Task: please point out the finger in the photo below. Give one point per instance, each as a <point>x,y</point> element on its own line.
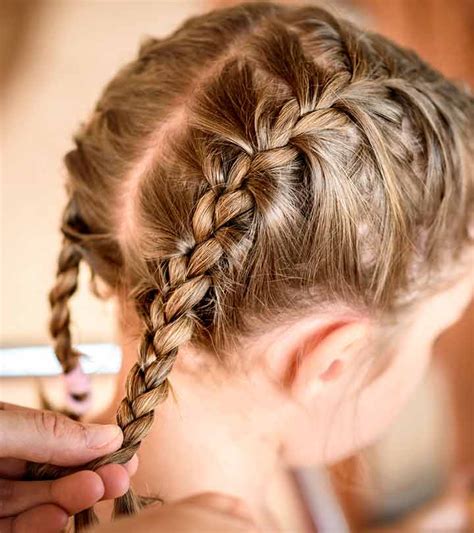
<point>5,406</point>
<point>41,519</point>
<point>16,468</point>
<point>132,466</point>
<point>12,468</point>
<point>115,479</point>
<point>72,493</point>
<point>47,437</point>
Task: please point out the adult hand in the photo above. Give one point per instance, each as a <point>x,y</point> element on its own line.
<point>47,437</point>
<point>203,512</point>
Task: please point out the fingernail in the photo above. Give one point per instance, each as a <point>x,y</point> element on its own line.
<point>99,435</point>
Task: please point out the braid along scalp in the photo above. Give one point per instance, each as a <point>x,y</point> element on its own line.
<point>221,228</point>
<point>299,163</point>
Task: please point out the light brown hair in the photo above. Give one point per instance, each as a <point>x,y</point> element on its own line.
<point>261,162</point>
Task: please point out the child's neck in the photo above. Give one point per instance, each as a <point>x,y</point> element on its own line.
<point>197,445</point>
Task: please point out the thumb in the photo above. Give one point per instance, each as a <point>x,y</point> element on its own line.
<point>48,437</point>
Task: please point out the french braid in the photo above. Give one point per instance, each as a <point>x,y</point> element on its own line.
<point>311,157</point>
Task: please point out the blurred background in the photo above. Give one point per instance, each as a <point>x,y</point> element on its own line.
<point>55,56</point>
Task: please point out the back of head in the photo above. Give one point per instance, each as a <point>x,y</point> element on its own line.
<point>261,162</point>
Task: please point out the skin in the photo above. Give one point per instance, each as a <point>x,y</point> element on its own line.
<point>308,394</point>
<point>203,512</point>
<point>42,436</point>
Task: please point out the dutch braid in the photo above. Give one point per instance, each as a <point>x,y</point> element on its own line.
<point>187,278</point>
<point>172,316</point>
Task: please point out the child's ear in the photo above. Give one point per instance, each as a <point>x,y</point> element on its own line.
<point>318,356</point>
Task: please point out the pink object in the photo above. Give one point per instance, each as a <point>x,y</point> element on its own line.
<point>78,391</point>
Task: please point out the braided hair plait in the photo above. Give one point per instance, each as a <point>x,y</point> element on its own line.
<point>171,311</point>
<point>67,274</point>
<point>169,323</point>
<point>65,286</point>
<point>77,385</point>
<point>359,105</point>
<point>239,183</point>
<point>249,178</point>
<point>173,315</point>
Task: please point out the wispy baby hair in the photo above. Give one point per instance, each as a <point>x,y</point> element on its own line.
<point>259,163</point>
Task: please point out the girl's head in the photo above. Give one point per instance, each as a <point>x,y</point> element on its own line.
<point>273,188</point>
